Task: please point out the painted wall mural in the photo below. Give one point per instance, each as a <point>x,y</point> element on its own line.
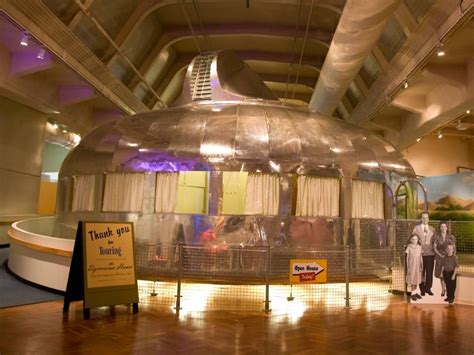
<point>451,197</point>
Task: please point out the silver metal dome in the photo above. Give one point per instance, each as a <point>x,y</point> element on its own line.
<point>226,120</point>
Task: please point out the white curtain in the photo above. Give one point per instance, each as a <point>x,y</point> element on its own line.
<point>166,192</point>
<point>83,194</point>
<point>317,196</point>
<point>367,199</point>
<point>123,192</point>
<point>263,194</point>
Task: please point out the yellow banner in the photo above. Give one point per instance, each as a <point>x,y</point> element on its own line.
<point>308,270</point>
<point>109,257</point>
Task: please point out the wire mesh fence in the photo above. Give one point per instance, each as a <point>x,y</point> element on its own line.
<point>365,273</point>
<point>193,279</point>
<point>464,234</point>
<point>370,277</point>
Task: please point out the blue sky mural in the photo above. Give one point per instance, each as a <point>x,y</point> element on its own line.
<point>457,185</point>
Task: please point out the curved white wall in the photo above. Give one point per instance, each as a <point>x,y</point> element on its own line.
<point>39,258</point>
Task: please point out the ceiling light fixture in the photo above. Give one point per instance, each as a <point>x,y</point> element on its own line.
<point>440,52</point>
<point>418,139</point>
<point>24,39</point>
<point>405,85</point>
<point>440,134</point>
<point>468,111</point>
<point>461,126</point>
<point>41,54</point>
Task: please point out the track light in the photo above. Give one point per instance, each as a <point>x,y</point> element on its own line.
<point>24,39</point>
<point>440,134</point>
<point>440,52</point>
<point>418,139</point>
<point>41,54</point>
<point>405,85</point>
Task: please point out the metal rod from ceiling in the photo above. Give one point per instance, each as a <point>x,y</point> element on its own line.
<point>290,65</point>
<point>308,24</point>
<point>201,24</point>
<point>190,26</point>
<point>86,11</point>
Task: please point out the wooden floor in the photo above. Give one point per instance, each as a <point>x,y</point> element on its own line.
<point>399,329</point>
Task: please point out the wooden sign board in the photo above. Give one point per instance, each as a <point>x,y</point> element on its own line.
<point>102,269</point>
<point>308,271</point>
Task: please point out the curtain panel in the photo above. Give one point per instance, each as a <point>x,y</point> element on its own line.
<point>83,193</point>
<point>367,199</point>
<point>317,196</point>
<point>166,192</point>
<point>123,192</point>
<point>263,194</point>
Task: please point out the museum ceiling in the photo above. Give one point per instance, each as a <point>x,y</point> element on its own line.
<point>374,63</point>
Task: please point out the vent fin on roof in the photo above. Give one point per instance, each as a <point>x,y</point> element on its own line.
<point>221,76</point>
<point>200,83</point>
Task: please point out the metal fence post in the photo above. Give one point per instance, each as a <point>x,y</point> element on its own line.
<point>267,279</point>
<point>347,266</point>
<point>405,289</point>
<point>180,276</point>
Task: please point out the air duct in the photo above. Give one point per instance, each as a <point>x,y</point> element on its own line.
<point>359,28</point>
<point>55,135</point>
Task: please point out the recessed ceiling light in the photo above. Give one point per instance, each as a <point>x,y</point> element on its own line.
<point>440,52</point>
<point>24,39</point>
<point>41,54</point>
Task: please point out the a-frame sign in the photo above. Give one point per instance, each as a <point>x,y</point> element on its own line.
<point>102,269</point>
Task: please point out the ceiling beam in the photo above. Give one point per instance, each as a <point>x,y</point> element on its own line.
<point>168,39</point>
<point>145,8</point>
<point>46,27</point>
<point>444,17</point>
<point>79,14</point>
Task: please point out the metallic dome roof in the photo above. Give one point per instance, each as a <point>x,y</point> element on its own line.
<point>227,120</point>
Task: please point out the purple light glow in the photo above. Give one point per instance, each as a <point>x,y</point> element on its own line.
<point>164,162</point>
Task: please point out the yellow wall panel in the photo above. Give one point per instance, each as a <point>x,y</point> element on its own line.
<point>234,189</point>
<point>47,198</point>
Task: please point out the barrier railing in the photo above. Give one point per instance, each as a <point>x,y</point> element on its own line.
<point>192,278</point>
<point>365,273</point>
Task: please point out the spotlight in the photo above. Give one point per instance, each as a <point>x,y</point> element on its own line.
<point>418,139</point>
<point>468,112</point>
<point>405,84</point>
<point>41,54</point>
<point>440,52</point>
<point>55,126</point>
<point>440,134</point>
<point>24,39</point>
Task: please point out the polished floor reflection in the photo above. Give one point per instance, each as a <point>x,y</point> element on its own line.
<point>398,329</point>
